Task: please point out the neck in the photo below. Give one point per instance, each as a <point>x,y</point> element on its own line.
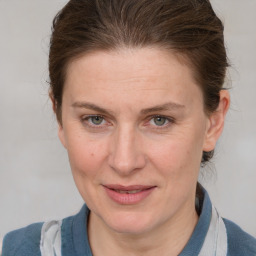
<point>167,239</point>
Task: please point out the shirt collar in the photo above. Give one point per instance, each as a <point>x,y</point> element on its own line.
<point>196,241</point>
<point>193,246</point>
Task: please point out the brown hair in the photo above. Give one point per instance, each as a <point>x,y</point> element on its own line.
<point>187,27</point>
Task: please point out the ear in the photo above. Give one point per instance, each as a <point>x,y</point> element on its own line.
<point>216,122</point>
<point>61,132</point>
<point>53,101</point>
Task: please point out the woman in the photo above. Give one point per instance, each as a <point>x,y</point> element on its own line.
<point>137,88</point>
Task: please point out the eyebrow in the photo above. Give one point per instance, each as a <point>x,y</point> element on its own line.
<point>162,107</point>
<point>91,106</point>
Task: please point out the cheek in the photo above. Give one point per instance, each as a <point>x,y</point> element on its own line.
<point>86,160</point>
<point>177,158</point>
<point>86,156</point>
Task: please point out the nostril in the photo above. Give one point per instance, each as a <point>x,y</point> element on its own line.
<point>124,166</point>
<point>128,166</point>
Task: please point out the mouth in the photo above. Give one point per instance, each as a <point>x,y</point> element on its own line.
<point>127,195</point>
<point>127,191</point>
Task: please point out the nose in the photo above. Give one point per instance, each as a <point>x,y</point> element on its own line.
<point>126,152</point>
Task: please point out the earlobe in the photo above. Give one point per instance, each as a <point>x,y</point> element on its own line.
<point>216,122</point>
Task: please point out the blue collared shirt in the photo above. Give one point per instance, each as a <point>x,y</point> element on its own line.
<point>75,242</point>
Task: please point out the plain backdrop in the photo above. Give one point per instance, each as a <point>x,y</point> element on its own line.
<point>35,178</point>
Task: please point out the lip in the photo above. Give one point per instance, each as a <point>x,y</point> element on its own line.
<point>114,193</point>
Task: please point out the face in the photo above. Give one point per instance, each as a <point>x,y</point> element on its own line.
<point>134,126</point>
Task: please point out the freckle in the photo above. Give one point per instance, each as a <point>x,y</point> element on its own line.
<point>92,154</point>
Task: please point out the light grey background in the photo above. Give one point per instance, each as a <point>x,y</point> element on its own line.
<point>35,179</point>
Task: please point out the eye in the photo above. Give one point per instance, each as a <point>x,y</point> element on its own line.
<point>93,121</point>
<point>96,120</point>
<point>159,121</point>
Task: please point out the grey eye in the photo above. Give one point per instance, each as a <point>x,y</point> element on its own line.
<point>159,120</point>
<point>97,120</point>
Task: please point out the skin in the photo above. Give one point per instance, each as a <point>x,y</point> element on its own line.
<point>127,146</point>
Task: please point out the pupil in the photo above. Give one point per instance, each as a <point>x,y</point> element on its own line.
<point>159,121</point>
<point>97,119</point>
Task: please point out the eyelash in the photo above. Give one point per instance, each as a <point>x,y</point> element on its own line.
<point>86,121</point>
<point>169,121</point>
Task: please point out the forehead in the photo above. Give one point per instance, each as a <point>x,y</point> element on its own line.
<point>151,72</point>
<point>129,63</point>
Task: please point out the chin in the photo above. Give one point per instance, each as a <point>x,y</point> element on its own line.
<point>130,223</point>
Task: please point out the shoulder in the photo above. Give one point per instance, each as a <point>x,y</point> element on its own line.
<point>239,242</point>
<point>26,241</point>
<point>23,242</point>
